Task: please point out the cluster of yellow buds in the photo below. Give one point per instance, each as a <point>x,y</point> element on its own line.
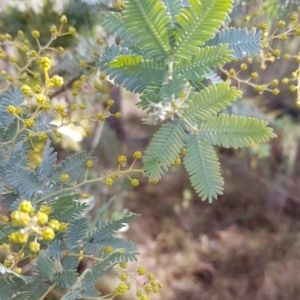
<point>121,289</point>
<point>153,286</point>
<point>122,159</point>
<point>40,99</point>
<point>26,90</point>
<point>137,155</point>
<point>64,178</point>
<point>85,196</point>
<point>177,162</point>
<point>56,81</point>
<point>33,223</point>
<point>61,109</point>
<point>14,110</point>
<point>100,117</point>
<point>28,123</point>
<point>89,163</point>
<point>119,5</point>
<point>109,181</point>
<point>45,63</point>
<point>108,249</point>
<point>134,182</point>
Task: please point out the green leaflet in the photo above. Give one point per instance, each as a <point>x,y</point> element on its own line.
<point>9,272</point>
<point>173,8</point>
<point>74,166</point>
<point>71,262</point>
<point>204,61</point>
<point>242,42</point>
<point>11,131</point>
<point>145,69</point>
<point>147,23</point>
<point>76,231</point>
<point>210,101</point>
<point>55,249</point>
<point>48,161</point>
<point>65,280</point>
<point>25,181</point>
<point>232,131</point>
<point>150,95</point>
<point>66,208</point>
<point>131,83</point>
<point>199,23</point>
<point>45,267</point>
<point>107,229</point>
<point>165,147</point>
<point>90,291</point>
<point>32,291</point>
<point>114,24</point>
<point>201,162</point>
<point>93,274</point>
<point>9,287</point>
<point>74,295</point>
<point>173,89</point>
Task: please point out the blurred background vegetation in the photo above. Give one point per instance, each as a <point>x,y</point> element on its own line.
<point>246,245</point>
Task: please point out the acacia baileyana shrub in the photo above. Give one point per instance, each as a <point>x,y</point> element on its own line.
<point>171,54</point>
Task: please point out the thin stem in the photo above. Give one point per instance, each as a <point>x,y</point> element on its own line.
<point>89,181</point>
<point>48,291</point>
<point>19,256</point>
<point>14,140</point>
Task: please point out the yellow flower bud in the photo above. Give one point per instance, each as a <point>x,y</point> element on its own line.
<point>35,34</point>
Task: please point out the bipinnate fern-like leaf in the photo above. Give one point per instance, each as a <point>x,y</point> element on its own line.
<point>71,262</point>
<point>151,95</point>
<point>173,8</point>
<point>213,77</point>
<point>32,291</point>
<point>242,42</point>
<point>114,24</point>
<point>8,272</point>
<point>147,23</point>
<point>94,273</point>
<point>43,123</point>
<point>76,231</point>
<point>118,243</point>
<point>210,101</point>
<point>67,208</point>
<point>10,286</point>
<point>74,166</point>
<point>203,61</point>
<point>47,163</point>
<point>72,212</point>
<point>164,148</point>
<point>11,132</point>
<point>174,88</point>
<point>55,249</point>
<point>93,2</point>
<point>203,167</point>
<point>135,65</point>
<point>45,267</point>
<point>23,180</point>
<point>19,156</point>
<point>232,131</point>
<point>131,83</point>
<point>197,24</point>
<point>90,291</point>
<point>74,295</point>
<point>65,280</point>
<point>107,229</point>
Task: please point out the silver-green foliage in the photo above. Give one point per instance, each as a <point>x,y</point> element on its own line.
<point>170,54</point>
<point>42,185</point>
